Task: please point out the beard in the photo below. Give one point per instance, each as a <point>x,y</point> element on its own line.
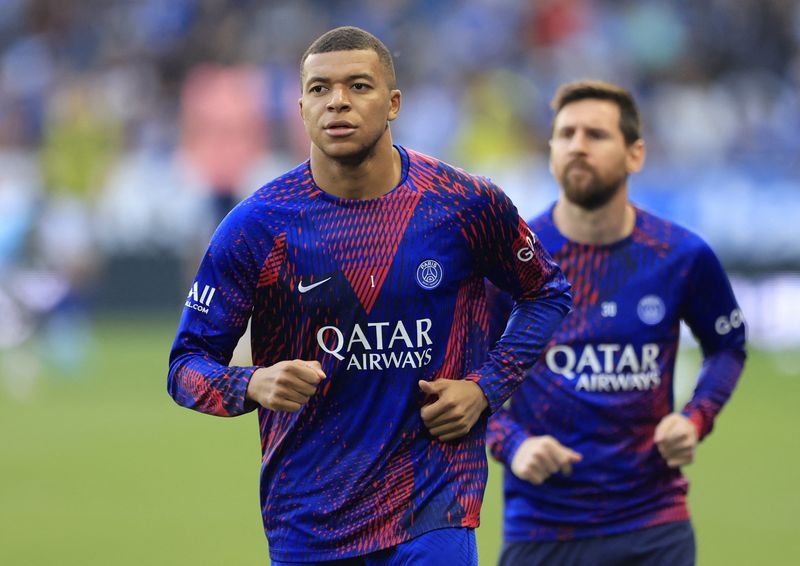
<point>362,153</point>
<point>589,192</point>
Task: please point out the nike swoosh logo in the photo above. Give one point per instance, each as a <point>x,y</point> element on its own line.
<point>307,288</point>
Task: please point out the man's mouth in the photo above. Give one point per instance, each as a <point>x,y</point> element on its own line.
<point>578,166</point>
<point>339,129</point>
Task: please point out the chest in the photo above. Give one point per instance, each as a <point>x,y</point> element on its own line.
<point>633,294</point>
<point>373,256</point>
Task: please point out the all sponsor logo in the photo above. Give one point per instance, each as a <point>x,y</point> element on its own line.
<point>607,367</point>
<point>379,346</point>
<point>200,301</point>
<point>724,324</point>
<point>429,274</point>
<point>525,253</point>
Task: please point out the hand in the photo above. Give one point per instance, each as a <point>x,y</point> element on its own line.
<point>457,405</point>
<point>285,386</point>
<point>676,439</point>
<point>539,457</point>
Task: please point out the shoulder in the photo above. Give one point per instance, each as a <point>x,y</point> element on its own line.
<point>543,222</point>
<point>257,220</point>
<point>545,229</point>
<point>432,175</point>
<point>655,230</point>
<point>278,201</point>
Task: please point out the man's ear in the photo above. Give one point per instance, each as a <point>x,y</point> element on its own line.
<point>634,160</point>
<point>394,103</point>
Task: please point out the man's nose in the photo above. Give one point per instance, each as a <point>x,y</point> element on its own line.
<point>338,100</point>
<point>578,143</point>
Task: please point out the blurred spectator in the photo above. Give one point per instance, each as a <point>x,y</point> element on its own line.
<point>223,129</point>
<point>128,127</point>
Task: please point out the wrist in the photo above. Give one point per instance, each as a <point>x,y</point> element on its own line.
<point>697,420</point>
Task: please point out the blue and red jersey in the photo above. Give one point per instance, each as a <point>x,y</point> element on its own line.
<point>606,380</point>
<point>383,293</point>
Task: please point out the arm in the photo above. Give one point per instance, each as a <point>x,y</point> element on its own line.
<point>214,317</point>
<point>513,259</point>
<point>504,435</point>
<point>216,313</point>
<point>530,458</point>
<point>508,253</point>
<point>529,328</point>
<point>715,319</point>
<point>457,404</point>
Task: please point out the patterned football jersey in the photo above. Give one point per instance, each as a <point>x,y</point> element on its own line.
<point>606,380</point>
<point>383,293</point>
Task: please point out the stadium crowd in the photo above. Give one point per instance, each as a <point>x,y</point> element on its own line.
<point>129,127</point>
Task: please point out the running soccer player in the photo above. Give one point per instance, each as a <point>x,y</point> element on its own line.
<point>363,270</point>
<point>591,441</point>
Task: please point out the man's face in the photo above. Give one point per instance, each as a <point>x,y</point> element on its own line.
<point>346,103</point>
<point>588,154</point>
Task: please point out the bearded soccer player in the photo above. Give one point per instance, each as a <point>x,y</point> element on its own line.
<point>592,442</point>
<point>363,270</point>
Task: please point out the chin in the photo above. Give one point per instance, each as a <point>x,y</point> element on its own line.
<point>590,200</point>
<point>348,152</point>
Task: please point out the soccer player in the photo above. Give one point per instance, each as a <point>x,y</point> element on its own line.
<point>363,271</point>
<point>591,441</point>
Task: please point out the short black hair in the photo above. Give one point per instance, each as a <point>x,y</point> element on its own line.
<point>350,38</point>
<point>630,123</point>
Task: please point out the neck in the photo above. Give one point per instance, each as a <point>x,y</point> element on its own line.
<point>610,223</point>
<point>364,178</point>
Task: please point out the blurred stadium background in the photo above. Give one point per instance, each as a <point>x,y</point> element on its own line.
<point>129,127</point>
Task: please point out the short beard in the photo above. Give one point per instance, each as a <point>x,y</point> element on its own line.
<point>361,155</point>
<point>593,195</point>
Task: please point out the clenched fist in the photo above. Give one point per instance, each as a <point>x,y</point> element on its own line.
<point>285,386</point>
<point>455,408</point>
<point>539,457</point>
<point>676,439</point>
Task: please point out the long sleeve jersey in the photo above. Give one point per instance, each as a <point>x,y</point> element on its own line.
<point>606,380</point>
<point>383,293</point>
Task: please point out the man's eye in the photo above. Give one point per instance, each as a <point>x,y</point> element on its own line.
<point>316,89</point>
<point>360,86</point>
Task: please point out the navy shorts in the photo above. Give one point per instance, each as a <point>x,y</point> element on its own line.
<point>455,547</point>
<point>671,544</point>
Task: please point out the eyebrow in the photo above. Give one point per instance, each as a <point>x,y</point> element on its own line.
<point>591,129</point>
<point>350,78</point>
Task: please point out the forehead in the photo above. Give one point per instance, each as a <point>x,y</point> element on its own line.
<point>338,65</point>
<point>589,113</point>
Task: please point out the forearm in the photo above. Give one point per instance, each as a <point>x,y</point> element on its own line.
<point>718,378</point>
<point>529,328</point>
<point>202,384</point>
<point>504,436</point>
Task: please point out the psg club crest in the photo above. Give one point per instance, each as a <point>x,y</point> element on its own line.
<point>651,309</point>
<point>429,274</point>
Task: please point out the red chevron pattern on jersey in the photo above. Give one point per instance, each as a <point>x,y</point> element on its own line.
<point>430,175</point>
<point>209,397</point>
<point>343,282</point>
<point>273,263</point>
<point>466,320</point>
<point>377,225</point>
<point>606,381</point>
<point>582,264</point>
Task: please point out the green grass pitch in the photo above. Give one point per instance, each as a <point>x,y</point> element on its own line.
<point>106,469</point>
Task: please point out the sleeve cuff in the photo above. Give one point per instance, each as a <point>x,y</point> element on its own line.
<point>512,444</point>
<point>697,420</point>
<point>491,399</point>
